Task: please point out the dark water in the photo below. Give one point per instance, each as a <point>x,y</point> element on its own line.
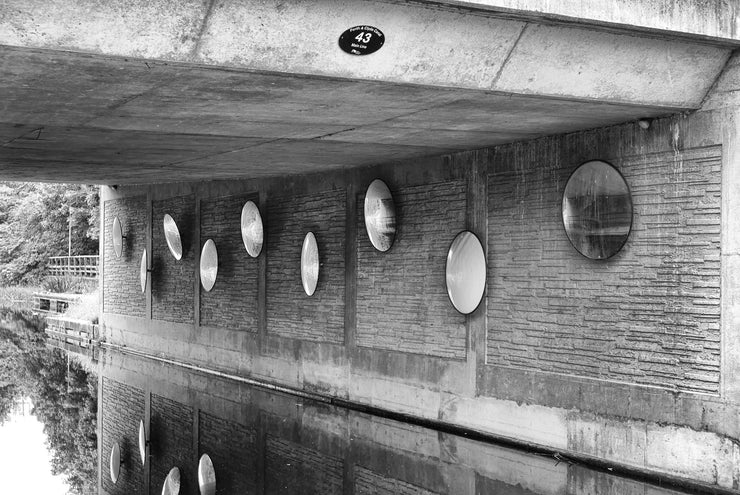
<point>273,443</point>
<point>260,441</point>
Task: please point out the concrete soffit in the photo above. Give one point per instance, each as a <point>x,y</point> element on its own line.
<point>132,92</point>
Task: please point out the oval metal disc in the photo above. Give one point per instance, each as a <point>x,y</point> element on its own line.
<point>142,442</point>
<point>466,272</point>
<point>206,476</point>
<point>117,236</point>
<point>597,210</point>
<point>380,215</point>
<point>143,271</point>
<point>115,462</point>
<point>253,233</point>
<point>172,235</point>
<point>208,265</point>
<point>310,264</point>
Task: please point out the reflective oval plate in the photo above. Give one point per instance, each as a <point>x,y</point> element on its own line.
<point>466,272</point>
<point>252,229</point>
<point>172,235</point>
<point>143,271</point>
<point>597,210</point>
<point>206,476</point>
<point>380,215</point>
<point>117,236</point>
<point>310,264</point>
<point>115,462</point>
<point>208,265</point>
<point>142,442</point>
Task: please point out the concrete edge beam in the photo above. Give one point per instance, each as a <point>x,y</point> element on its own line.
<point>712,21</point>
<point>422,45</point>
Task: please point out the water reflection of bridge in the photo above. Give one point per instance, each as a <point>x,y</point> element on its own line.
<point>273,443</point>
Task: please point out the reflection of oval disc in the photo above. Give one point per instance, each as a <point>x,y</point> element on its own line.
<point>380,215</point>
<point>310,264</point>
<point>466,272</point>
<point>117,237</point>
<point>142,442</point>
<point>172,235</point>
<point>172,483</point>
<point>208,265</point>
<point>252,230</point>
<point>115,463</point>
<point>206,476</point>
<point>361,40</point>
<point>143,271</point>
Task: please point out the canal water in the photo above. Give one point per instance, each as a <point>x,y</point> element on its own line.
<point>259,440</point>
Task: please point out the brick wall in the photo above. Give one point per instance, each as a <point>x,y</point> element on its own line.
<point>649,315</point>
<point>402,301</point>
<point>123,409</point>
<point>233,450</point>
<point>290,312</point>
<point>291,468</point>
<point>232,303</point>
<point>173,280</point>
<point>171,444</point>
<point>368,482</point>
<point>121,284</point>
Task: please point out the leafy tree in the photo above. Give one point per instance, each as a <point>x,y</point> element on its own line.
<point>34,225</point>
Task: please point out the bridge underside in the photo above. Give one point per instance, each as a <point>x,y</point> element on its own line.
<point>151,94</point>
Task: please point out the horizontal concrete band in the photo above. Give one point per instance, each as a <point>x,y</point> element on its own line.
<point>423,44</point>
<point>713,20</point>
<point>592,462</point>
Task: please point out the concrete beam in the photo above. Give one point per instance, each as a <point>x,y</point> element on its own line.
<point>717,20</point>
<point>423,45</point>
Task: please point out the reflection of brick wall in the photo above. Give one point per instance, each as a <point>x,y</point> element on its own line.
<point>650,315</point>
<point>291,468</point>
<point>123,409</point>
<point>402,301</point>
<point>233,450</point>
<point>232,303</point>
<point>367,482</point>
<point>290,312</point>
<point>172,444</point>
<point>173,281</point>
<point>121,286</point>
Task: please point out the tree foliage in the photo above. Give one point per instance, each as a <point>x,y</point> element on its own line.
<point>34,225</point>
<point>64,395</point>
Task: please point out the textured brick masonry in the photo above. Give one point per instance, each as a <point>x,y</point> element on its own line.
<point>650,315</point>
<point>173,280</point>
<point>121,283</point>
<point>402,301</point>
<point>290,312</point>
<point>232,303</point>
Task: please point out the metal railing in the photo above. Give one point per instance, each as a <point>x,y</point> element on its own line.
<point>74,266</point>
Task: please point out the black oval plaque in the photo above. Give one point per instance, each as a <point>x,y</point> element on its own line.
<point>361,40</point>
